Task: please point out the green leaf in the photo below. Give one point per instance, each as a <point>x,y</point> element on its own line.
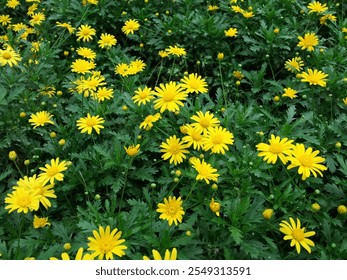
<point>58,229</point>
<point>236,235</point>
<point>3,93</point>
<point>290,114</point>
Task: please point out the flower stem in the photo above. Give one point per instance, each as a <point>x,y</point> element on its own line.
<point>124,185</point>
<point>190,191</point>
<point>221,78</point>
<point>20,172</point>
<point>19,236</point>
<point>291,178</point>
<point>172,66</point>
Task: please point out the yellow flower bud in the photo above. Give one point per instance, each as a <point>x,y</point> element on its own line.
<point>62,142</point>
<point>338,145</point>
<point>276,98</point>
<point>215,206</point>
<point>67,246</point>
<point>276,30</point>
<point>183,129</point>
<point>268,213</point>
<point>22,114</point>
<point>315,207</point>
<point>342,209</point>
<point>214,187</point>
<point>188,233</point>
<point>53,134</point>
<point>178,173</point>
<point>26,162</point>
<point>220,56</point>
<point>12,155</point>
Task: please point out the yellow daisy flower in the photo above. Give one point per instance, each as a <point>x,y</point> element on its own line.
<point>174,149</point>
<point>205,171</point>
<point>40,119</point>
<point>297,235</point>
<point>169,97</point>
<point>194,83</point>
<point>171,210</point>
<point>106,243</point>
<point>278,148</point>
<point>53,171</point>
<point>89,123</point>
<point>307,161</point>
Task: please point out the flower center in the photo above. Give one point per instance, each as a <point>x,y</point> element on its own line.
<point>275,148</point>
<point>196,136</point>
<point>23,201</point>
<point>298,234</point>
<point>174,149</point>
<point>204,123</point>
<point>52,171</point>
<point>90,122</point>
<point>85,32</point>
<point>105,246</point>
<point>217,139</point>
<point>143,95</point>
<point>6,55</point>
<point>106,40</point>
<point>171,210</point>
<point>306,161</point>
<point>169,96</point>
<point>203,171</point>
<point>194,84</point>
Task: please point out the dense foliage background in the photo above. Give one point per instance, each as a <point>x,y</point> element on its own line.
<point>103,185</point>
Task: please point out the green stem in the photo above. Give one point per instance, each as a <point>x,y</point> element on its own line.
<point>159,73</point>
<point>162,131</point>
<point>222,82</point>
<point>291,178</point>
<point>190,191</point>
<point>272,71</point>
<point>19,236</point>
<point>124,185</point>
<point>20,172</point>
<point>172,66</point>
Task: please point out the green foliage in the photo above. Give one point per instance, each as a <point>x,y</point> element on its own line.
<point>104,185</point>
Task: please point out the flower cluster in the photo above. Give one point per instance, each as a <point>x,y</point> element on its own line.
<point>307,160</point>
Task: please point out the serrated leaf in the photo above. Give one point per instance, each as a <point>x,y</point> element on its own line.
<point>58,229</point>
<point>253,248</point>
<point>290,114</point>
<point>144,173</point>
<point>86,226</point>
<point>331,164</point>
<point>343,164</point>
<point>236,235</point>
